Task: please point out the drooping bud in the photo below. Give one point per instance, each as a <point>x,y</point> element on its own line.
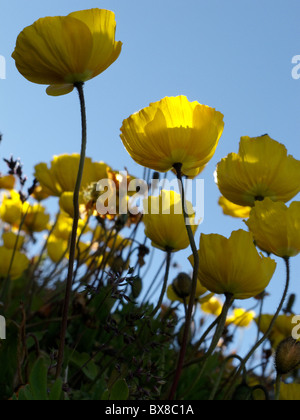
<point>287,356</point>
<point>182,285</point>
<point>290,304</point>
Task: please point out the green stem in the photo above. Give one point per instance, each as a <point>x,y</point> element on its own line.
<point>221,373</point>
<point>277,387</point>
<point>221,325</point>
<point>270,329</point>
<point>69,283</point>
<point>189,313</point>
<point>152,283</point>
<point>6,284</point>
<point>164,288</point>
<point>216,338</point>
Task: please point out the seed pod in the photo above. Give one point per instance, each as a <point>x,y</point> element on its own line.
<point>287,356</point>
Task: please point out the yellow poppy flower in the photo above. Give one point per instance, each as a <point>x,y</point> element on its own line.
<point>282,329</point>
<point>11,208</point>
<point>261,169</point>
<point>63,227</point>
<point>233,266</point>
<point>164,221</point>
<point>39,194</point>
<point>57,248</point>
<point>66,203</point>
<point>62,174</point>
<point>289,392</point>
<point>36,219</point>
<point>241,318</point>
<point>19,265</point>
<point>64,50</point>
<point>213,306</point>
<point>10,240</point>
<point>193,173</point>
<point>231,209</point>
<point>276,227</point>
<point>7,182</point>
<point>173,131</point>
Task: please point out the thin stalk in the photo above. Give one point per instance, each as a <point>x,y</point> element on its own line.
<point>152,283</point>
<point>6,284</point>
<point>69,282</point>
<point>221,373</point>
<point>189,313</point>
<point>278,387</point>
<point>165,283</point>
<point>45,247</point>
<point>270,329</point>
<point>216,338</point>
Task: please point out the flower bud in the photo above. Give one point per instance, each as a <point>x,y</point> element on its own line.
<point>290,304</point>
<point>156,176</point>
<point>182,285</point>
<point>287,356</point>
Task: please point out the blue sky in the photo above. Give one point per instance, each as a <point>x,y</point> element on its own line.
<point>233,55</point>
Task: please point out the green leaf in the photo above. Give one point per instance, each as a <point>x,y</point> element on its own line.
<point>38,381</point>
<point>83,361</point>
<point>105,395</point>
<point>119,391</point>
<point>56,391</point>
<point>25,394</point>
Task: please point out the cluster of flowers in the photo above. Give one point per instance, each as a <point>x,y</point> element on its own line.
<point>175,135</point>
<point>22,220</point>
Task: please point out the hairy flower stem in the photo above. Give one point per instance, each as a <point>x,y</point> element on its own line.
<point>69,283</point>
<point>268,332</point>
<point>189,313</point>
